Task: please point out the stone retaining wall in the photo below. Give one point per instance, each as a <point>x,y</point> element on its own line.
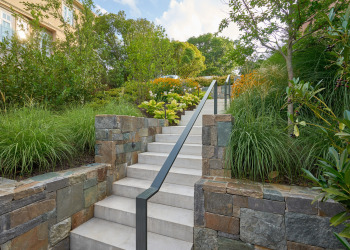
<point>39,213</point>
<point>119,139</point>
<point>244,215</point>
<point>236,214</point>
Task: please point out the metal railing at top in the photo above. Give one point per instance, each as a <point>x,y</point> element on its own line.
<point>227,83</point>
<point>141,200</point>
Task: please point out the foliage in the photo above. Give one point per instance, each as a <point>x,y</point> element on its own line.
<point>205,82</point>
<point>162,86</point>
<point>190,86</point>
<point>32,138</point>
<point>190,100</point>
<point>278,25</point>
<point>170,116</point>
<point>152,106</point>
<point>217,53</point>
<point>246,82</point>
<point>35,139</point>
<point>189,60</point>
<point>53,73</point>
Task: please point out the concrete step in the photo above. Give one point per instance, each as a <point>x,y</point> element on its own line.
<point>170,194</point>
<point>165,220</point>
<point>183,161</point>
<point>179,176</point>
<point>196,130</point>
<point>166,147</point>
<point>191,139</point>
<point>97,234</point>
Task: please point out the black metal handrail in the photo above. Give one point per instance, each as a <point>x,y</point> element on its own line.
<point>141,200</point>
<point>227,82</point>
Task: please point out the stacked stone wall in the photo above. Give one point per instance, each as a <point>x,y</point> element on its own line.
<point>245,215</point>
<point>119,139</point>
<point>39,212</point>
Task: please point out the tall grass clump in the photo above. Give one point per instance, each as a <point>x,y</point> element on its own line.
<point>32,138</point>
<point>81,121</point>
<point>260,146</point>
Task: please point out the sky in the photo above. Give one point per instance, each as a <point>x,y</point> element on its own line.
<point>181,19</point>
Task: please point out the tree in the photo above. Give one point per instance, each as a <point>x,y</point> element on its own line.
<point>217,52</point>
<point>188,59</point>
<point>278,25</point>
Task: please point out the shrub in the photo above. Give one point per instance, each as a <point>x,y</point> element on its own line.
<point>32,138</point>
<point>247,82</point>
<point>205,82</point>
<point>162,86</point>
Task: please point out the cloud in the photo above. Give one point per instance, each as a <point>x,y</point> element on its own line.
<point>187,18</point>
<point>135,11</point>
<point>101,10</point>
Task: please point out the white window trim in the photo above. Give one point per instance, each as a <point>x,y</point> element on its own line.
<point>69,18</point>
<point>11,21</point>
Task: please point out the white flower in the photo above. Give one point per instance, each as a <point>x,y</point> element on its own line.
<point>165,93</point>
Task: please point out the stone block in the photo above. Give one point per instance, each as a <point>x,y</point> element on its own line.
<point>223,133</point>
<point>139,122</point>
<point>107,153</point>
<point>7,207</point>
<point>218,203</point>
<point>76,178</point>
<point>135,157</point>
<point>215,187</point>
<point>301,205</point>
<point>250,190</point>
<point>6,246</point>
<point>91,174</point>
<point>240,201</point>
<point>106,122</point>
<point>152,122</point>
<point>229,236</point>
<point>5,222</point>
<point>121,171</point>
<point>272,194</point>
<point>132,147</point>
<point>208,120</point>
<point>329,208</point>
<point>90,196</point>
<point>215,164</point>
<point>263,229</point>
<point>89,183</point>
<point>199,203</point>
<point>206,136</point>
<point>299,246</point>
<point>225,243</point>
<point>311,230</point>
<point>5,197</point>
<point>152,131</point>
<point>101,190</point>
<point>117,137</point>
<point>223,118</point>
<point>29,189</point>
<point>114,134</point>
<point>69,201</point>
<point>56,183</point>
<point>268,206</point>
<point>222,223</point>
<point>97,149</point>
<point>236,211</point>
<point>205,239</point>
<point>120,159</point>
<point>128,158</point>
<point>221,153</point>
<point>101,174</point>
<point>213,136</point>
<point>144,144</point>
<point>208,151</point>
<point>101,134</point>
<point>143,132</point>
<point>27,213</point>
<point>110,180</point>
<point>205,167</point>
<point>60,231</point>
<point>36,238</point>
<point>220,172</point>
<point>62,245</point>
<point>82,216</point>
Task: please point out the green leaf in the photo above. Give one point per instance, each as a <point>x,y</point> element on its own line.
<point>335,192</point>
<point>310,176</point>
<point>343,241</point>
<point>302,123</point>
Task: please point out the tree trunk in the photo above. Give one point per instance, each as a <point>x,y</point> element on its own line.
<point>290,77</point>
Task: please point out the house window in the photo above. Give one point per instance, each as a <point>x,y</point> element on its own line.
<point>67,14</point>
<point>6,24</point>
<point>22,28</point>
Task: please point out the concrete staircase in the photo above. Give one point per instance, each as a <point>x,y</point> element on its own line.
<point>170,211</point>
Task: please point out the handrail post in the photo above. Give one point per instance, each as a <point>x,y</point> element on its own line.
<point>216,98</point>
<point>229,90</point>
<point>225,93</point>
<point>141,222</point>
